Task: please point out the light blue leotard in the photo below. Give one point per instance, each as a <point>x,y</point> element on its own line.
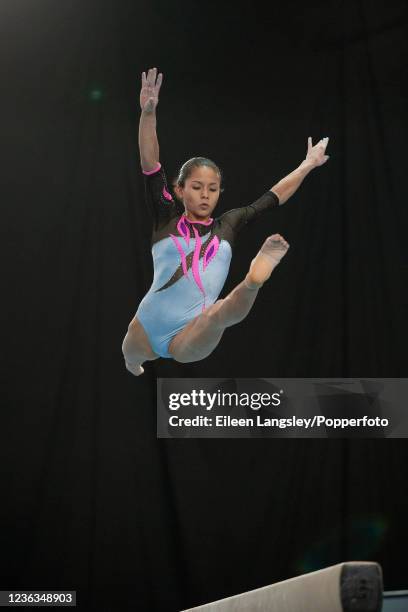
<point>191,260</point>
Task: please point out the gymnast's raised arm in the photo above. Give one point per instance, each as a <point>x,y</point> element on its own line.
<point>149,99</point>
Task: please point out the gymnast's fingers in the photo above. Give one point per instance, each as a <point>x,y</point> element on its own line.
<point>159,81</point>
<point>150,78</point>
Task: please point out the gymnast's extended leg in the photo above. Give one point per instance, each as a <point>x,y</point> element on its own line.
<point>136,348</point>
<point>200,337</point>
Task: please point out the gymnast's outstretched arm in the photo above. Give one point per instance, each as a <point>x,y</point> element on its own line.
<point>315,156</point>
<point>282,191</point>
<point>149,99</point>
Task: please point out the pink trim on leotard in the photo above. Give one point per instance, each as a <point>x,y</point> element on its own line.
<point>153,171</point>
<point>182,255</point>
<point>210,251</point>
<point>195,265</point>
<point>183,230</point>
<point>210,220</point>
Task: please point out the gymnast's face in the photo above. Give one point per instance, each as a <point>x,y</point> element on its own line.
<point>200,193</point>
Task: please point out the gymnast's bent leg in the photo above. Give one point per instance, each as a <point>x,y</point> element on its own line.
<point>200,337</point>
<point>136,348</point>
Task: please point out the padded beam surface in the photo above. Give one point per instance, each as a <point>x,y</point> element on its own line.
<point>355,586</point>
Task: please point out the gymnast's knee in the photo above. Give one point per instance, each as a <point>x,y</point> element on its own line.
<point>226,317</point>
<point>126,347</point>
<point>212,315</point>
<point>136,346</point>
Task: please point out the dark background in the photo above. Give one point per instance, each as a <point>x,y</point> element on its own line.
<point>90,499</point>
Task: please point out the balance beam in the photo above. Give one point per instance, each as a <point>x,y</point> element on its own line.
<point>354,586</point>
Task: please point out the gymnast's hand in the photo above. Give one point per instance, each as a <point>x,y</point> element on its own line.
<point>316,155</point>
<point>149,95</point>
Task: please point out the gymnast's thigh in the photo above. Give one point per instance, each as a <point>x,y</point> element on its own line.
<point>199,337</point>
<point>138,337</point>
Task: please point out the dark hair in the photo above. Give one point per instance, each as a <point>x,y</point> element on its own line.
<point>196,162</point>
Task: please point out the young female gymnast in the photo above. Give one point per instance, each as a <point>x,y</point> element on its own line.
<point>180,317</point>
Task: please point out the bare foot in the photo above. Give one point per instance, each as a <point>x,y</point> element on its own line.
<point>272,251</point>
<point>135,369</point>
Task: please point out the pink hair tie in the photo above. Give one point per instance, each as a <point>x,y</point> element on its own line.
<point>153,171</point>
<point>166,194</point>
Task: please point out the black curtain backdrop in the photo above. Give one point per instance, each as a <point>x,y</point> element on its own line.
<point>90,499</point>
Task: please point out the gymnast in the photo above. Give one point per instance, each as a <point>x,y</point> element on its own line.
<point>180,317</point>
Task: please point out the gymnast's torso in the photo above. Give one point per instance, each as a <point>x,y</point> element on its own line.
<point>191,260</point>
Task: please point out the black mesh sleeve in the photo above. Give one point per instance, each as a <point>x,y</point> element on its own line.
<point>159,201</point>
<point>237,218</point>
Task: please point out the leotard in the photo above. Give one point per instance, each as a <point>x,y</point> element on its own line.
<point>191,260</point>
